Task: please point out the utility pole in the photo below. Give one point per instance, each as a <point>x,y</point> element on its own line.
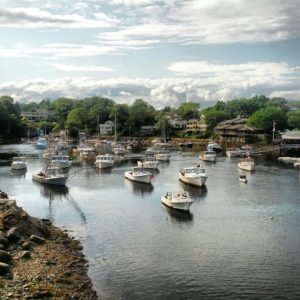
<point>274,124</point>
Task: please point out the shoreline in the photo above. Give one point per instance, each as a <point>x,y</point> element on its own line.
<point>39,260</point>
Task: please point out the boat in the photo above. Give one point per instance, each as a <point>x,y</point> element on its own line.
<point>151,151</point>
<point>177,200</point>
<point>85,151</point>
<point>213,146</point>
<point>150,162</point>
<point>119,149</point>
<point>233,152</point>
<point>51,175</point>
<point>19,163</point>
<point>139,175</point>
<point>193,175</point>
<point>41,142</point>
<point>247,164</point>
<point>208,155</point>
<point>61,161</point>
<point>243,178</point>
<point>163,155</point>
<point>104,161</point>
<point>62,141</point>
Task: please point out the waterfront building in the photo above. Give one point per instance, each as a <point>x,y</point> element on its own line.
<point>107,128</point>
<point>39,115</point>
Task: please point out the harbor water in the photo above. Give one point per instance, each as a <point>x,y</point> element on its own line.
<point>239,241</point>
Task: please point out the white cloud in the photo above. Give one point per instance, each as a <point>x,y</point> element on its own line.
<point>220,82</point>
<point>77,68</point>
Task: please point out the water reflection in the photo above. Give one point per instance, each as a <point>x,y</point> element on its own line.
<point>195,192</point>
<point>19,173</point>
<point>139,188</point>
<point>177,215</point>
<point>105,171</point>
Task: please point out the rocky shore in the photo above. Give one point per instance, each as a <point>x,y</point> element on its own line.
<point>38,260</point>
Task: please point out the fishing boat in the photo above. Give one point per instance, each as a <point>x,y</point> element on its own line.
<point>61,161</point>
<point>150,162</point>
<point>139,175</point>
<point>85,151</point>
<point>243,178</point>
<point>51,175</point>
<point>119,149</point>
<point>19,163</point>
<point>41,142</point>
<point>104,161</point>
<point>193,175</point>
<point>233,152</point>
<point>177,200</point>
<point>208,156</point>
<point>213,146</point>
<point>163,155</point>
<point>247,164</point>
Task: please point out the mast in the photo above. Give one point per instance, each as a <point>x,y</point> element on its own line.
<point>115,126</point>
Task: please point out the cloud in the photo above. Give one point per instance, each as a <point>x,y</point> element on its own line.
<point>77,68</point>
<point>220,82</point>
<point>36,18</point>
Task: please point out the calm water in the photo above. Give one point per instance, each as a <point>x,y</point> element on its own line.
<point>241,241</point>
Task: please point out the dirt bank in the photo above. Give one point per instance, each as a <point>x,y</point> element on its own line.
<point>38,260</point>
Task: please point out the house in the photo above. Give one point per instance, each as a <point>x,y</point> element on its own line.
<point>107,128</point>
<point>176,122</point>
<point>237,131</point>
<point>290,140</point>
<point>147,130</point>
<point>196,125</point>
<point>39,115</point>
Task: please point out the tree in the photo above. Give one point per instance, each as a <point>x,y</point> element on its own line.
<point>264,118</point>
<point>189,110</point>
<point>213,117</point>
<point>293,119</point>
<point>76,120</point>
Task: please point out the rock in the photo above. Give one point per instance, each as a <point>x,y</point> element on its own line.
<point>3,239</point>
<point>36,239</point>
<point>26,245</point>
<point>4,268</point>
<point>24,255</point>
<point>13,234</point>
<point>2,247</point>
<point>4,256</point>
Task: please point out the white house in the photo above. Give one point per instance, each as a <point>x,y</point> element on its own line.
<point>107,128</point>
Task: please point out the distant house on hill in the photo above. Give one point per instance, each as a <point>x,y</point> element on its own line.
<point>237,131</point>
<point>39,115</point>
<point>198,126</point>
<point>106,128</point>
<point>176,122</point>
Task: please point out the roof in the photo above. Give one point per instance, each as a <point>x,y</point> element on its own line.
<point>291,135</point>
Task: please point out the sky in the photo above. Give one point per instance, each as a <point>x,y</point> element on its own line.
<point>165,52</point>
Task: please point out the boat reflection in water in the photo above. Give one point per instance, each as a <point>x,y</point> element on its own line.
<point>139,188</point>
<point>195,192</point>
<point>19,173</point>
<point>178,215</point>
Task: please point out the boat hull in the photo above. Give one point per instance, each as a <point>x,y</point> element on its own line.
<point>61,181</point>
<point>195,181</point>
<point>19,166</point>
<point>143,178</point>
<point>184,206</point>
<point>61,164</point>
<point>246,166</point>
<point>104,164</point>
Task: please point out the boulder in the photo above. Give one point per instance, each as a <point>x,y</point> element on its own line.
<point>13,234</point>
<point>37,239</point>
<point>4,256</point>
<point>4,269</point>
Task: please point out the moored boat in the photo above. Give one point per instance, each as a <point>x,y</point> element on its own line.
<point>51,175</point>
<point>138,175</point>
<point>243,178</point>
<point>19,163</point>
<point>177,200</point>
<point>213,146</point>
<point>247,164</point>
<point>150,162</point>
<point>193,175</point>
<point>61,161</point>
<point>163,155</point>
<point>208,155</point>
<point>104,161</point>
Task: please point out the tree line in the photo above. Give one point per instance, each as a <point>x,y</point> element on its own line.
<point>86,114</point>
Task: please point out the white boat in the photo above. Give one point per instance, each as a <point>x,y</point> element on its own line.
<point>233,152</point>
<point>151,151</point>
<point>62,142</point>
<point>119,149</point>
<point>213,146</point>
<point>150,162</point>
<point>138,175</point>
<point>193,175</point>
<point>243,178</point>
<point>19,163</point>
<point>61,161</point>
<point>85,151</point>
<point>247,164</point>
<point>51,175</point>
<point>208,155</point>
<point>177,200</point>
<point>41,142</point>
<point>163,155</point>
<point>104,161</point>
